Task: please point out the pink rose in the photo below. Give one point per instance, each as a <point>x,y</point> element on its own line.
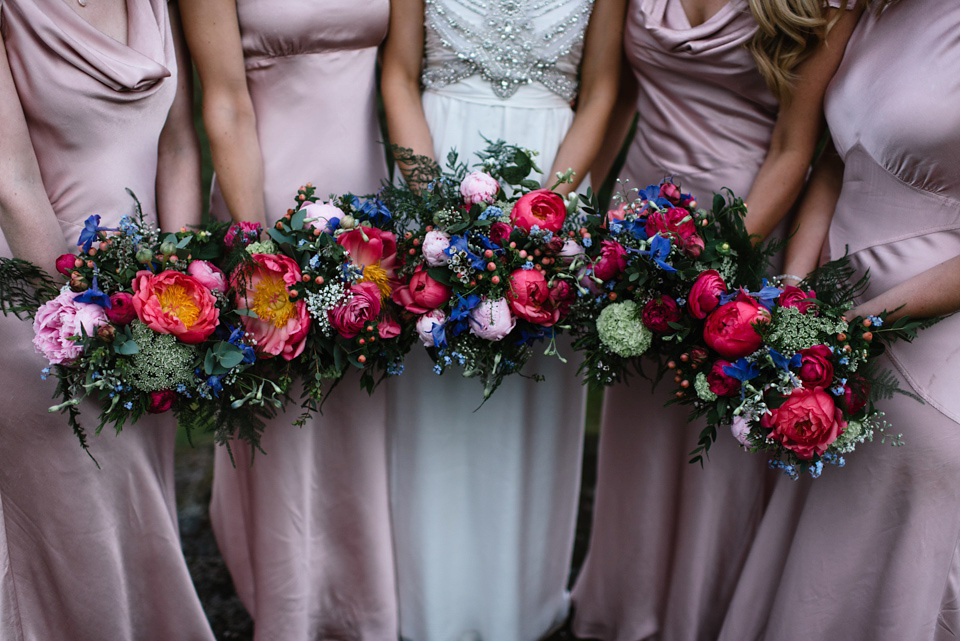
<point>280,326</point>
<point>740,430</point>
<point>242,232</point>
<point>729,328</point>
<point>209,275</point>
<point>678,225</point>
<point>422,293</point>
<point>161,401</point>
<point>500,233</point>
<point>807,422</point>
<point>612,260</point>
<point>659,312</point>
<point>434,244</point>
<point>478,187</point>
<point>66,263</point>
<point>794,297</point>
<point>856,393</point>
<point>426,323</point>
<point>570,251</point>
<point>360,308</point>
<point>541,208</point>
<point>705,293</point>
<point>816,369</point>
<point>121,310</point>
<point>60,319</point>
<point>376,251</point>
<point>491,320</point>
<point>562,295</point>
<point>529,297</point>
<point>671,192</point>
<point>720,383</point>
<point>175,303</point>
<point>323,216</point>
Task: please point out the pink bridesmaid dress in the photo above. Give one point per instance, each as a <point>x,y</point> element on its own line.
<point>669,538</point>
<point>305,529</point>
<point>870,552</point>
<point>88,554</point>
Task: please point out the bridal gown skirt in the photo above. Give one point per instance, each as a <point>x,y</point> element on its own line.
<point>484,499</point>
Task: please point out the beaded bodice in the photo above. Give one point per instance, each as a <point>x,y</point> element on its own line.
<point>509,43</point>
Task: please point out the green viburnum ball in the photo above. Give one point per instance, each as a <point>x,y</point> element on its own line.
<point>262,247</point>
<point>621,331</point>
<point>702,387</point>
<point>163,362</point>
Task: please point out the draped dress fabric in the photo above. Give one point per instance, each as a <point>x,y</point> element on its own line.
<point>869,552</point>
<point>484,500</point>
<point>669,538</point>
<point>88,554</point>
<point>305,529</point>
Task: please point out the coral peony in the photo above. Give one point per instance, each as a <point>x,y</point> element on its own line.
<point>58,321</point>
<point>281,325</point>
<point>375,251</point>
<point>540,208</point>
<point>172,302</point>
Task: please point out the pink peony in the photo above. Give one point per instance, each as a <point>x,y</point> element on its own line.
<point>281,325</point>
<point>172,302</point>
<point>209,275</point>
<point>479,187</point>
<point>612,260</point>
<point>361,306</point>
<point>794,297</point>
<point>60,319</point>
<point>422,293</point>
<point>491,320</point>
<point>705,293</point>
<point>66,263</point>
<point>807,422</point>
<point>570,251</point>
<point>121,310</point>
<point>729,329</point>
<point>426,323</point>
<point>434,244</point>
<point>322,216</point>
<point>720,383</point>
<point>529,297</point>
<point>586,279</point>
<point>161,401</point>
<point>659,312</point>
<point>816,369</point>
<point>740,430</point>
<point>388,327</point>
<point>242,232</point>
<point>541,208</point>
<point>376,251</point>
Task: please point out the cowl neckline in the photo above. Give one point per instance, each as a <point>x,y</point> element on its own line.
<point>668,24</point>
<point>133,67</point>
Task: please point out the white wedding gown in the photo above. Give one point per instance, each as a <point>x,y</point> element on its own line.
<point>484,502</point>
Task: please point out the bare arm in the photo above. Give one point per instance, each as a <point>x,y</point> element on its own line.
<point>400,79</point>
<point>599,77</point>
<point>812,222</point>
<point>178,169</point>
<point>213,33</point>
<point>26,217</point>
<point>935,292</point>
<point>624,111</point>
<point>795,134</point>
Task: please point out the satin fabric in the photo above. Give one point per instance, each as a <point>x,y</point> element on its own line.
<point>484,500</point>
<point>870,551</point>
<point>669,538</point>
<point>305,528</point>
<point>88,554</point>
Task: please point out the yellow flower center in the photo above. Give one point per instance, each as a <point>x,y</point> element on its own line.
<point>271,301</point>
<point>176,301</point>
<point>378,276</point>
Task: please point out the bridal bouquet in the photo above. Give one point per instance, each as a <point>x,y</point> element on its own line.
<point>786,370</point>
<point>143,326</point>
<point>481,268</point>
<point>635,266</point>
<point>316,292</point>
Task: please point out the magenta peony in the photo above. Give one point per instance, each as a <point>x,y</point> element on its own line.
<point>659,312</point>
<point>121,310</point>
<point>721,384</point>
<point>729,328</point>
<point>161,401</point>
<point>794,297</point>
<point>529,297</point>
<point>422,293</point>
<point>816,369</point>
<point>807,422</point>
<point>612,260</point>
<point>705,293</point>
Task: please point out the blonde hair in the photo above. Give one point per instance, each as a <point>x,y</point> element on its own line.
<point>788,32</point>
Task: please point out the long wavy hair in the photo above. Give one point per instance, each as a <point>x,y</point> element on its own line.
<point>788,32</point>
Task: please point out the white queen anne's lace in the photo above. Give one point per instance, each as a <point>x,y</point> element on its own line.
<point>510,43</point>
